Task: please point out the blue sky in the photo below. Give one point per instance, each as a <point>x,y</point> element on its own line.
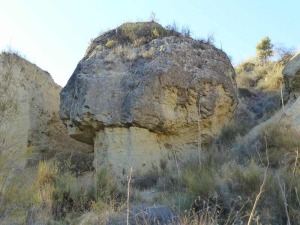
<point>54,34</point>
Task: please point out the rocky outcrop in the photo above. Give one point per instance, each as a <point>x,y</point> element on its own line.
<point>291,74</point>
<point>32,128</point>
<point>291,114</point>
<point>137,98</point>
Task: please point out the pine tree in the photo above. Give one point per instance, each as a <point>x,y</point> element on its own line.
<point>264,49</point>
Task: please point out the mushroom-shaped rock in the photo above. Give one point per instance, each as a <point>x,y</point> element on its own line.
<point>142,93</point>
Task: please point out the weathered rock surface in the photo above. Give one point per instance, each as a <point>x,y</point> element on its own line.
<point>139,103</point>
<point>291,114</point>
<point>291,74</point>
<point>33,121</point>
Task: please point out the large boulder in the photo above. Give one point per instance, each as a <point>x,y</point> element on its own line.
<point>135,96</point>
<point>291,74</point>
<point>30,126</point>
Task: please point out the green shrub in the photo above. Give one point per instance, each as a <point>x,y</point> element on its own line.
<point>231,131</point>
<point>245,181</point>
<point>155,33</point>
<point>107,186</point>
<point>283,147</point>
<point>73,196</point>
<point>16,198</point>
<point>200,181</point>
<point>62,195</point>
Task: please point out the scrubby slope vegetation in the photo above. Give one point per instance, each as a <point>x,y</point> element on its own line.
<point>265,77</point>
<point>261,85</point>
<point>222,189</point>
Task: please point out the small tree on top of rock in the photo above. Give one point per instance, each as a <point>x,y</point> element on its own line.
<point>264,49</point>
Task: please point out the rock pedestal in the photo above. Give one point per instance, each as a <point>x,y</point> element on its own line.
<point>137,100</point>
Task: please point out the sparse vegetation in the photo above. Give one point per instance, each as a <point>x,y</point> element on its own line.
<point>235,181</point>
<point>284,54</point>
<point>198,178</point>
<point>260,73</point>
<point>110,43</point>
<point>210,39</point>
<point>262,79</point>
<point>149,53</point>
<point>222,190</point>
<point>141,33</point>
<point>265,77</point>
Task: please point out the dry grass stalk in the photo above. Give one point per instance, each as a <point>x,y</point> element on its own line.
<point>176,161</point>
<point>296,162</point>
<point>282,189</point>
<point>281,94</point>
<point>128,197</point>
<point>199,132</point>
<point>262,186</point>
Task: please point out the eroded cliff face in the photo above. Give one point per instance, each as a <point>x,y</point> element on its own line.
<point>139,103</point>
<point>290,118</point>
<point>32,122</point>
<point>291,75</point>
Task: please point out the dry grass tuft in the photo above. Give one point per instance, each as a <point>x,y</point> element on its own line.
<point>266,77</point>
<point>110,43</point>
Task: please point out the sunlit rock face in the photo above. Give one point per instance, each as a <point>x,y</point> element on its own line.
<point>291,74</point>
<point>291,114</point>
<point>137,99</point>
<point>30,127</point>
